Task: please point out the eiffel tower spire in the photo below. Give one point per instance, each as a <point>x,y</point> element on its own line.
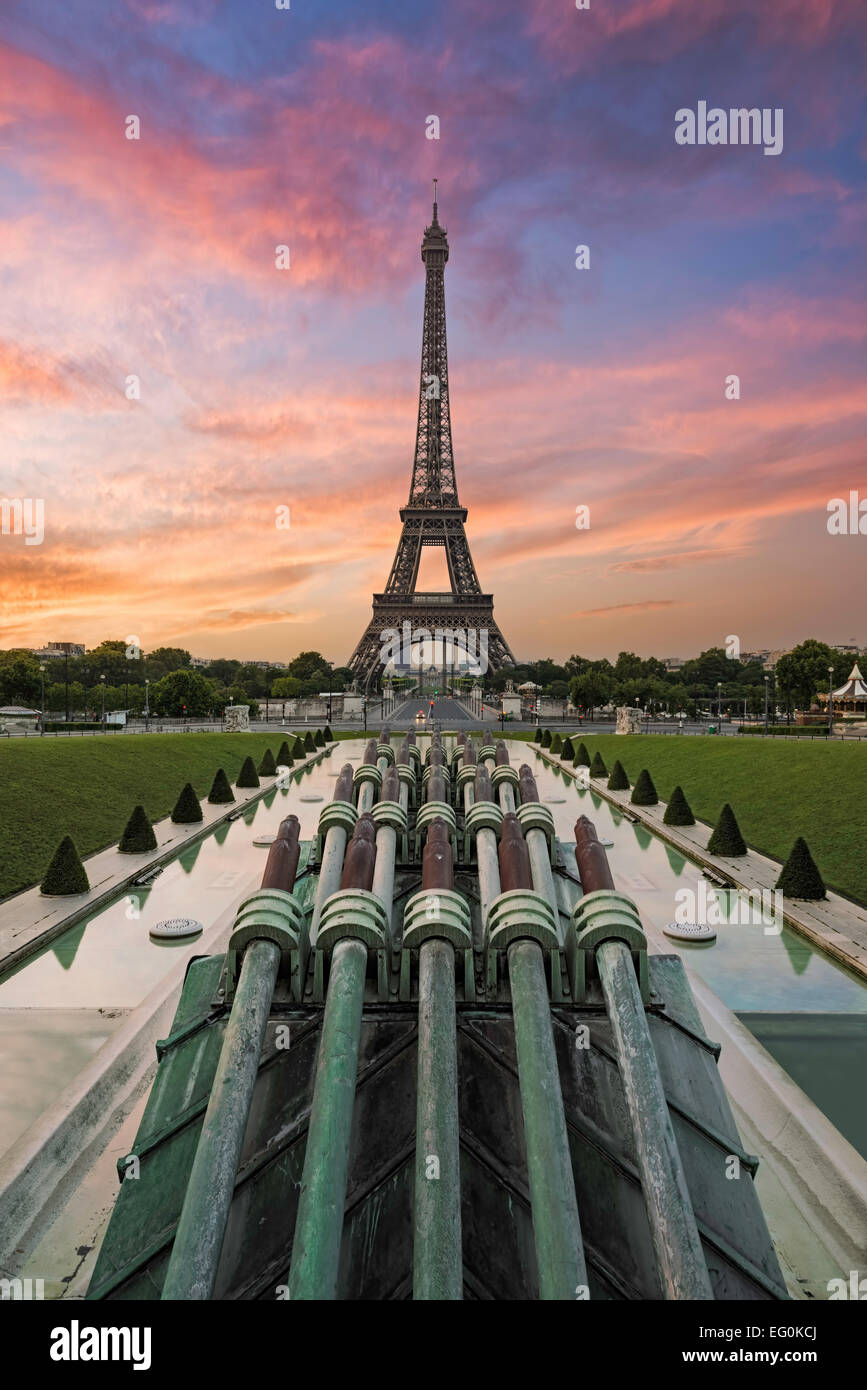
<point>433,515</point>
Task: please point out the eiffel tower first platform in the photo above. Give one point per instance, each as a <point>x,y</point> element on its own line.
<point>433,515</point>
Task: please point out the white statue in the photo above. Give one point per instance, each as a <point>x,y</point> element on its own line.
<point>237,719</point>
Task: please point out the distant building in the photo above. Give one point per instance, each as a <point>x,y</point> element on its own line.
<point>58,650</point>
<point>847,648</point>
<point>772,658</point>
<point>201,660</point>
<point>672,663</point>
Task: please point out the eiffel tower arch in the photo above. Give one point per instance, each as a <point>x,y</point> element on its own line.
<point>433,515</point>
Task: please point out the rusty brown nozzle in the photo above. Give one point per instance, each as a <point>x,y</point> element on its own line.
<point>436,786</point>
<point>403,754</point>
<point>501,754</point>
<point>369,759</point>
<point>437,862</point>
<point>468,757</point>
<point>390,785</point>
<point>527,783</point>
<point>343,785</point>
<point>282,862</point>
<point>482,789</point>
<point>437,757</point>
<point>513,855</point>
<point>593,867</point>
<point>410,738</point>
<point>462,738</point>
<point>385,736</point>
<point>360,859</point>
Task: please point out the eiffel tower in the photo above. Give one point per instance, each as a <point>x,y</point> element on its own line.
<point>433,515</point>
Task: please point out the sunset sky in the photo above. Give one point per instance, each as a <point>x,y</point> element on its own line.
<point>263,388</point>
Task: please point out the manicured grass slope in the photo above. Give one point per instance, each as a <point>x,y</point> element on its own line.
<point>88,787</point>
<point>777,791</point>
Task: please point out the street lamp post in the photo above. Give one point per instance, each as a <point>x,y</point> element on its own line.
<point>42,715</point>
<point>719,702</point>
<point>767,678</point>
<point>66,682</point>
<point>831,699</point>
<point>102,688</point>
<point>147,708</point>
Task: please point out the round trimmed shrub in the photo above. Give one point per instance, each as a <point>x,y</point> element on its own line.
<point>247,776</point>
<point>284,757</point>
<point>597,767</point>
<point>546,739</point>
<point>66,874</point>
<point>618,781</point>
<point>644,792</point>
<point>187,809</point>
<point>138,836</point>
<point>221,791</point>
<point>582,757</point>
<point>678,811</point>
<point>727,839</point>
<point>267,767</point>
<point>567,750</point>
<point>799,877</point>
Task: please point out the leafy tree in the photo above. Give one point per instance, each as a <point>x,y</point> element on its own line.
<point>804,670</point>
<point>183,688</point>
<point>287,688</point>
<point>162,660</point>
<point>19,678</point>
<point>223,670</point>
<point>306,663</point>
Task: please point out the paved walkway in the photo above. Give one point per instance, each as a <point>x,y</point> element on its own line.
<point>835,925</point>
<point>29,920</point>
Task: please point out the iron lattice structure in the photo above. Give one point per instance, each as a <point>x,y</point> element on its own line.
<point>434,515</point>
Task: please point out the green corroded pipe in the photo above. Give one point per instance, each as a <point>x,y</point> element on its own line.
<point>437,1252</point>
<point>195,1257</point>
<point>673,1230</point>
<point>556,1227</point>
<point>319,1222</point>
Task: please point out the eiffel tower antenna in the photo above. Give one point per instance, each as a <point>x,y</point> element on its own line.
<point>433,515</point>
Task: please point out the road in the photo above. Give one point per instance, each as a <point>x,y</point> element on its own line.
<point>445,711</point>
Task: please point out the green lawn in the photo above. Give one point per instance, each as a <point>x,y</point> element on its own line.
<point>778,790</point>
<point>87,787</point>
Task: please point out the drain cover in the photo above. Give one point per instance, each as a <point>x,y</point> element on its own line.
<point>263,840</point>
<point>606,844</point>
<point>690,931</point>
<point>311,796</point>
<point>553,800</point>
<point>174,927</point>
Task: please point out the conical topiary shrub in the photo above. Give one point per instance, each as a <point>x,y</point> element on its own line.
<point>727,839</point>
<point>644,792</point>
<point>618,781</point>
<point>556,744</point>
<point>247,776</point>
<point>267,767</point>
<point>284,757</point>
<point>221,791</point>
<point>597,767</point>
<point>327,734</point>
<point>546,739</point>
<point>582,757</point>
<point>66,873</point>
<point>319,739</point>
<point>309,745</point>
<point>678,812</point>
<point>298,748</point>
<point>567,751</point>
<point>138,836</point>
<point>800,877</point>
<point>187,809</point>
<point>538,735</point>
